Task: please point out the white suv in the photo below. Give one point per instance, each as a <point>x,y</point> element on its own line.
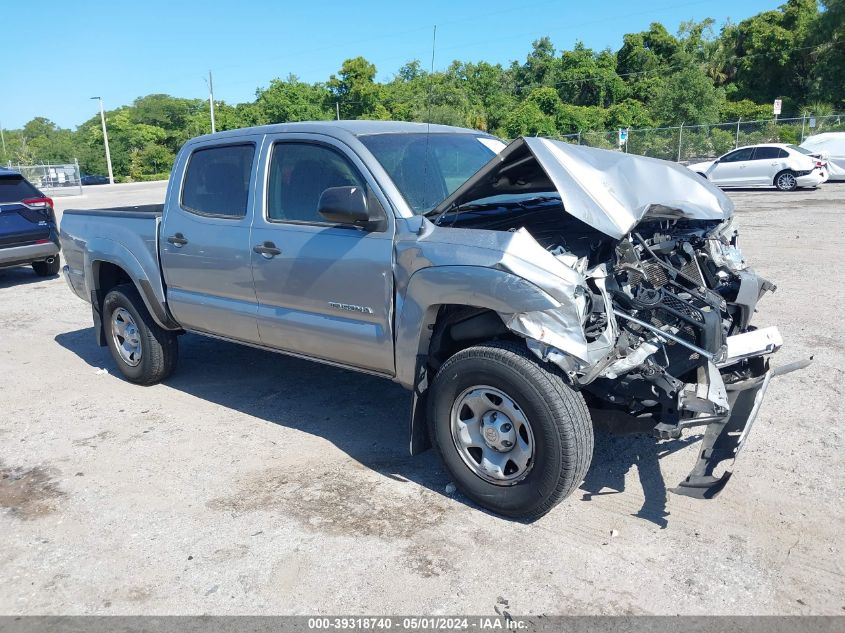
<point>786,167</point>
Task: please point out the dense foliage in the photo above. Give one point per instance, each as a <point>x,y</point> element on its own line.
<point>796,52</point>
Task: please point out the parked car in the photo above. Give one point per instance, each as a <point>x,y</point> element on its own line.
<point>831,146</point>
<point>786,167</point>
<point>509,288</point>
<point>28,230</point>
<point>92,179</point>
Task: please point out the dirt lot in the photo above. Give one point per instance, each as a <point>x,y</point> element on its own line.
<point>256,483</point>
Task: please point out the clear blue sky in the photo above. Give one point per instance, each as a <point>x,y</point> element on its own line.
<point>68,51</point>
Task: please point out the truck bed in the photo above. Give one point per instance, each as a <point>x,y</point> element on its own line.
<point>122,236</point>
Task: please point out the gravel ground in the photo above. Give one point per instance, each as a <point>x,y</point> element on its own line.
<point>256,483</point>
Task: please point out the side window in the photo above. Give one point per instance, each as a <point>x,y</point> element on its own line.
<point>782,153</point>
<point>740,154</point>
<point>765,153</point>
<point>299,174</point>
<point>217,180</point>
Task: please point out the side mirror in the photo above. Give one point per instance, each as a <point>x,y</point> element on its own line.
<point>345,205</point>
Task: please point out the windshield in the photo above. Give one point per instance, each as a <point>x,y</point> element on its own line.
<point>427,168</point>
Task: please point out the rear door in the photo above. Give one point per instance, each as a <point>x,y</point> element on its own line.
<point>205,243</point>
<point>765,163</point>
<point>324,290</point>
<point>731,170</point>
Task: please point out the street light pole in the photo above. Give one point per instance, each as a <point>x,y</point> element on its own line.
<point>105,139</point>
<point>211,102</point>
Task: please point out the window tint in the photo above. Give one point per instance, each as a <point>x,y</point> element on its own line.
<point>15,188</point>
<point>740,154</point>
<point>299,174</point>
<point>217,180</point>
<point>762,153</point>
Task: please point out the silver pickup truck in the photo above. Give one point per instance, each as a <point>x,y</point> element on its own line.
<point>518,290</point>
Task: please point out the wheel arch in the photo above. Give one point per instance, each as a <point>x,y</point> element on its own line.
<point>446,309</point>
<point>107,271</point>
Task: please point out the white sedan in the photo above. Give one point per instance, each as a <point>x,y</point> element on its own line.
<point>786,167</point>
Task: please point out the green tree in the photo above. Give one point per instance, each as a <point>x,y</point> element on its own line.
<point>354,88</point>
<point>292,100</point>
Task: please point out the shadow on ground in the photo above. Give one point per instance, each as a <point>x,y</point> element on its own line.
<point>20,276</point>
<point>364,416</point>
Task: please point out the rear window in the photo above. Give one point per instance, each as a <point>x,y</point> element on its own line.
<point>217,180</point>
<point>15,188</point>
<point>800,149</point>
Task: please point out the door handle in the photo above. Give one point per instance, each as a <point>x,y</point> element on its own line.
<point>267,249</point>
<point>177,240</point>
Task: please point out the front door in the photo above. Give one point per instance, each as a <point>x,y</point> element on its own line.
<point>205,244</point>
<point>731,169</point>
<point>324,290</point>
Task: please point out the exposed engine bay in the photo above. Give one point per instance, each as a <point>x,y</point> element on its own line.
<point>660,326</point>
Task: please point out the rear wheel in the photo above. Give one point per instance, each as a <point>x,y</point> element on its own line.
<point>514,436</point>
<point>144,352</point>
<point>45,269</point>
<point>786,181</point>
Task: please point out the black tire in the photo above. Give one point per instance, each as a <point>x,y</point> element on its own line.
<point>786,184</point>
<point>43,269</point>
<point>558,415</point>
<point>159,347</point>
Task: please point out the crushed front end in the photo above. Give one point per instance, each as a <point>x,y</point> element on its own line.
<point>663,335</point>
<point>654,325</point>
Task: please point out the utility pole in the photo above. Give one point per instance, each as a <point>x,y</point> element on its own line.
<point>3,138</point>
<point>337,109</point>
<point>211,101</point>
<point>105,139</point>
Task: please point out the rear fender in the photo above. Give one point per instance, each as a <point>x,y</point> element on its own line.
<point>145,276</point>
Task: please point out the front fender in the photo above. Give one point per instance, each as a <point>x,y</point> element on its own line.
<point>430,288</point>
<point>473,286</point>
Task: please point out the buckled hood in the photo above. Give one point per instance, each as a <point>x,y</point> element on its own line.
<point>610,191</point>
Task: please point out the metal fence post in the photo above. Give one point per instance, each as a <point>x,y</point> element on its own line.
<point>803,122</point>
<point>737,132</point>
<point>680,140</point>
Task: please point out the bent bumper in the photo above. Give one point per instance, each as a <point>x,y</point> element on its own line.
<point>725,438</point>
<point>812,180</point>
<point>21,255</point>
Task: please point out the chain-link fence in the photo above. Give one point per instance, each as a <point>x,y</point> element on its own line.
<point>690,143</point>
<point>53,180</point>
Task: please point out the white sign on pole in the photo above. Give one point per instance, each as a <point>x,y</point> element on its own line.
<point>812,121</point>
<point>623,135</point>
<point>778,104</point>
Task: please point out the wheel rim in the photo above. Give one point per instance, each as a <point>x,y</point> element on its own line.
<point>492,435</point>
<point>127,339</point>
<point>786,181</point>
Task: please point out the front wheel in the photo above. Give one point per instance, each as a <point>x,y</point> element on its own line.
<point>144,352</point>
<point>514,436</point>
<point>786,181</point>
